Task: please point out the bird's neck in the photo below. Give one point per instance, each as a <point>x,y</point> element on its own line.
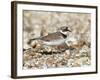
<point>64,35</point>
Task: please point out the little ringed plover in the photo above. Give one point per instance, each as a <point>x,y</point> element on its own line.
<point>53,39</point>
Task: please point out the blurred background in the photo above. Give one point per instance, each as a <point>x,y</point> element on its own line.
<point>40,23</point>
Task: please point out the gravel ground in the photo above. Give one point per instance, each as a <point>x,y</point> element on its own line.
<point>52,58</point>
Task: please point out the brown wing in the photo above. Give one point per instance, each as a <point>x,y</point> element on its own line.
<point>52,36</point>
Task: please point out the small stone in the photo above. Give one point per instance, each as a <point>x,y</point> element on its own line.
<point>70,62</point>
<point>38,45</point>
<point>77,63</point>
<point>27,57</point>
<point>33,44</point>
<point>26,64</point>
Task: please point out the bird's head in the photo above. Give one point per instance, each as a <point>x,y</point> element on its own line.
<point>65,30</point>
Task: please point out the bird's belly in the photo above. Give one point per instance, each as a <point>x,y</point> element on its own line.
<point>55,42</point>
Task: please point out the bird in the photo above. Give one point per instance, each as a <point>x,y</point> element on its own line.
<point>53,39</point>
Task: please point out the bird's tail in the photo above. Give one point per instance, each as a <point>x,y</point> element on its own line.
<point>29,42</point>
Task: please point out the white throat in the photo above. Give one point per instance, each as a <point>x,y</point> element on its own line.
<point>65,33</point>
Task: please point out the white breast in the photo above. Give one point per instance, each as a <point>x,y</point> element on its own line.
<point>54,42</point>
